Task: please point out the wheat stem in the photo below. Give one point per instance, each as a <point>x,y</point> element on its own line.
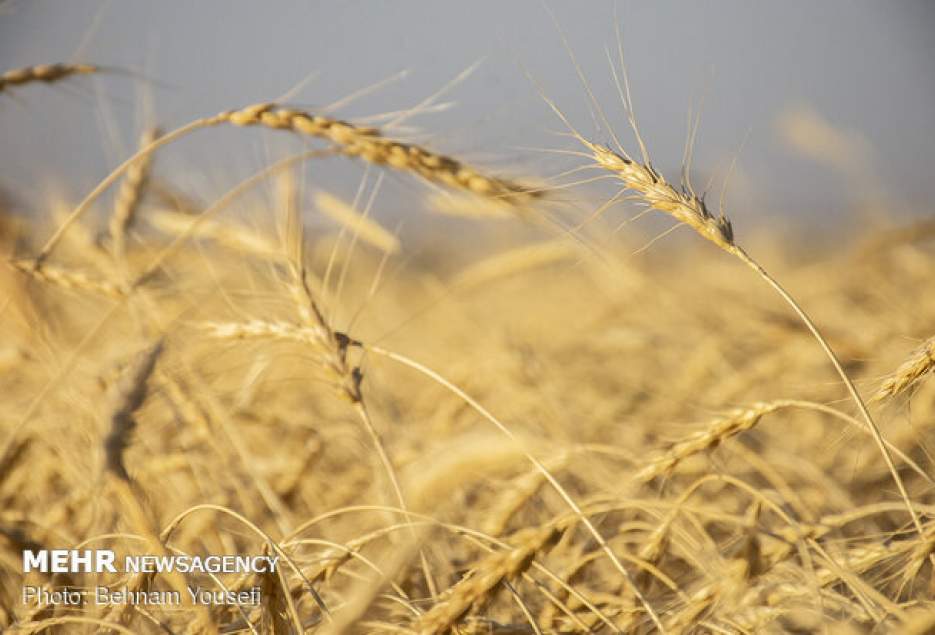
<point>439,379</point>
<point>351,140</point>
<point>739,252</point>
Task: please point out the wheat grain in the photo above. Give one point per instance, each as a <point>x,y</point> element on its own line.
<point>262,329</point>
<point>685,206</point>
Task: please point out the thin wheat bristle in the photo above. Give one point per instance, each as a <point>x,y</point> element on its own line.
<point>910,373</point>
<point>47,73</point>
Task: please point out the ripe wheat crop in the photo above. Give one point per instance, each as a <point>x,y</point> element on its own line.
<point>534,434</point>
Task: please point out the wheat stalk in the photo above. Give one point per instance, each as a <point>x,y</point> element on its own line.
<point>335,346</point>
<point>688,208</point>
<point>553,482</point>
<point>356,141</point>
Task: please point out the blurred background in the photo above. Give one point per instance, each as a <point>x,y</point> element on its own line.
<point>828,106</point>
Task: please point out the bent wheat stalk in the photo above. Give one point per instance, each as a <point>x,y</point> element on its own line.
<point>334,346</point>
<point>356,141</point>
<point>561,491</point>
<point>688,208</point>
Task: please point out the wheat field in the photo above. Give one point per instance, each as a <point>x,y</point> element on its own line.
<point>516,419</point>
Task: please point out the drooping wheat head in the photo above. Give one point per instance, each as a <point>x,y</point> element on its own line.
<point>365,143</point>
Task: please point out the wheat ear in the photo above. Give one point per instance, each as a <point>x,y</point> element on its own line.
<point>562,492</point>
<point>485,578</point>
<point>356,141</point>
<point>920,363</point>
<point>128,197</point>
<point>47,73</point>
<point>68,279</point>
<point>719,430</point>
<point>128,395</point>
<point>335,346</point>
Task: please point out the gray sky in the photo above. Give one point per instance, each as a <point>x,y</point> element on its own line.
<point>863,67</point>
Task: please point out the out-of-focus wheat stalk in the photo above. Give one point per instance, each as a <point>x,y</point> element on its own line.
<point>359,225</point>
<point>127,396</point>
<point>566,497</point>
